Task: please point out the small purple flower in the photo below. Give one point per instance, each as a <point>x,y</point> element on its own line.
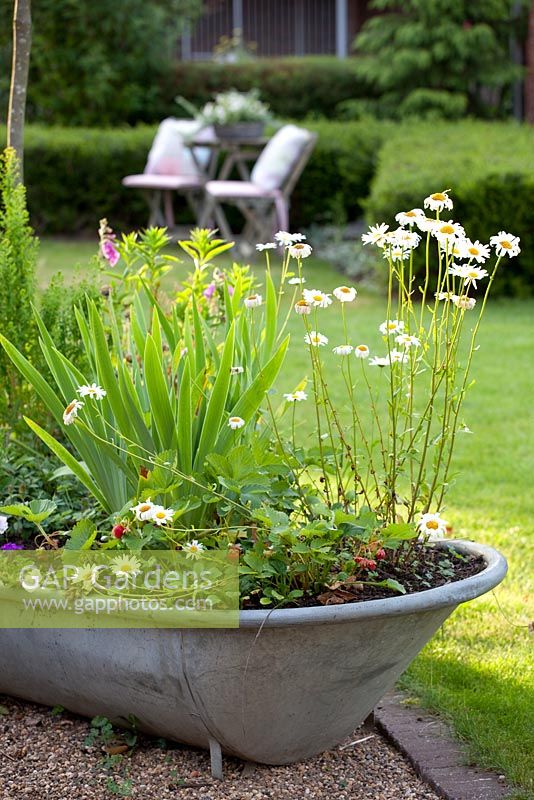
<point>12,546</point>
<point>230,289</point>
<point>209,291</point>
<point>110,252</point>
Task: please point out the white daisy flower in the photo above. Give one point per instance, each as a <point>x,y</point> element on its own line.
<point>475,251</point>
<point>235,423</point>
<point>426,224</point>
<point>92,390</point>
<point>296,281</point>
<point>3,524</point>
<point>409,217</point>
<point>144,510</point>
<point>391,326</point>
<point>253,300</point>
<point>438,201</point>
<point>464,302</point>
<point>469,274</point>
<point>506,244</point>
<point>452,247</point>
<point>236,370</point>
<point>86,575</point>
<point>299,250</point>
<point>285,238</point>
<point>71,412</point>
<point>317,298</point>
<point>303,307</point>
<point>193,549</point>
<point>405,239</point>
<point>448,231</point>
<point>379,361</point>
<point>266,246</point>
<point>361,351</point>
<point>376,234</point>
<point>345,294</point>
<point>407,341</point>
<point>315,339</point>
<point>126,566</point>
<point>343,350</point>
<point>397,357</point>
<point>432,525</point>
<point>162,515</point>
<point>396,253</point>
<point>296,397</point>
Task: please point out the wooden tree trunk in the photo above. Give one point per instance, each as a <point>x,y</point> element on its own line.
<point>22,39</point>
<point>529,77</point>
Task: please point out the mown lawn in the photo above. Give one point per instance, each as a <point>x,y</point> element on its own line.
<point>478,671</point>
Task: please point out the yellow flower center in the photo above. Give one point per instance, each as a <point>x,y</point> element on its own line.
<point>472,274</point>
<point>344,289</point>
<point>160,514</point>
<point>318,297</point>
<point>473,251</point>
<point>432,524</point>
<point>302,303</point>
<point>446,229</point>
<point>70,407</point>
<point>362,348</point>
<point>144,507</point>
<point>410,214</point>
<point>253,297</point>
<point>505,243</point>
<point>392,326</point>
<point>438,196</point>
<point>298,247</point>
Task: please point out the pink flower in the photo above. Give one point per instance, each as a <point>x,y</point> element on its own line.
<point>110,252</point>
<point>12,546</point>
<point>209,291</point>
<point>230,289</point>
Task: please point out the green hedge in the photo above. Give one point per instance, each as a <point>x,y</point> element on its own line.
<point>488,166</point>
<point>73,175</point>
<point>293,87</point>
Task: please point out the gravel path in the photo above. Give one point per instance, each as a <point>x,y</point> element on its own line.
<point>44,757</point>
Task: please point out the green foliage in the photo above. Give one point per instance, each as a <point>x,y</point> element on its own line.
<point>73,176</point>
<point>292,87</point>
<point>58,302</point>
<point>18,255</point>
<point>489,166</point>
<point>26,476</point>
<point>439,59</point>
<point>95,62</point>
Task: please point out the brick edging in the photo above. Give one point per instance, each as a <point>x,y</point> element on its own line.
<point>437,757</point>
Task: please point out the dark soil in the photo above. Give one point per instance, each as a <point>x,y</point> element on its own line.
<point>424,567</point>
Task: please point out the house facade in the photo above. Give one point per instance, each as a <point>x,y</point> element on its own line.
<point>275,28</point>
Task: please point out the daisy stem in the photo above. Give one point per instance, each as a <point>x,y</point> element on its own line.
<point>463,390</point>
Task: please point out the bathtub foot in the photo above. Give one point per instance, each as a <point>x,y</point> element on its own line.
<point>216,759</point>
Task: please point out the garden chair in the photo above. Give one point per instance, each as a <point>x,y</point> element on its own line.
<point>171,167</point>
<point>264,199</point>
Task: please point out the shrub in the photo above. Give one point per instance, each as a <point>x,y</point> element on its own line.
<point>74,175</point>
<point>94,62</point>
<point>438,59</point>
<point>293,87</point>
<point>490,169</point>
<point>18,255</point>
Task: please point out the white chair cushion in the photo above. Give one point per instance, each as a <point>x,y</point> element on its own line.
<point>279,156</point>
<point>169,154</point>
<point>148,181</point>
<point>236,189</point>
